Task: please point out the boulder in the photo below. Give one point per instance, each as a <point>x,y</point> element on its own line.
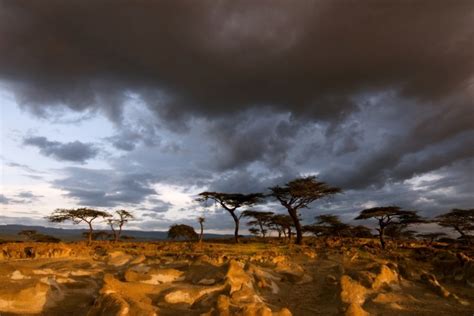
<point>110,304</point>
<point>384,276</point>
<point>30,298</point>
<point>236,276</point>
<point>118,258</point>
<point>352,291</point>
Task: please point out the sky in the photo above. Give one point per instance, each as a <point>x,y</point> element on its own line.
<point>141,105</point>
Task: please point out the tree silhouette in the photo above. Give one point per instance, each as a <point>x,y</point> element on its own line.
<point>298,194</point>
<point>389,215</point>
<point>260,219</point>
<point>430,237</point>
<point>182,231</point>
<point>201,221</point>
<point>27,234</point>
<point>332,225</point>
<point>462,221</point>
<point>282,224</point>
<point>77,216</point>
<point>124,217</point>
<point>231,202</point>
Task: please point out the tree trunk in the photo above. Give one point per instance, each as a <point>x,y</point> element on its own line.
<point>381,235</point>
<point>90,233</point>
<point>117,238</point>
<point>296,221</point>
<point>113,232</point>
<point>236,232</point>
<point>202,232</point>
<point>261,229</point>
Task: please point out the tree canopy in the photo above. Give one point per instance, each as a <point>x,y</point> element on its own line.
<point>389,215</point>
<point>77,216</point>
<point>460,220</point>
<point>231,202</point>
<point>178,231</point>
<point>298,194</point>
<point>262,220</point>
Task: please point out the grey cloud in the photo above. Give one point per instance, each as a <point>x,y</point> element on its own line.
<point>245,95</point>
<point>4,199</point>
<point>92,187</point>
<point>73,151</point>
<point>307,58</point>
<point>24,197</point>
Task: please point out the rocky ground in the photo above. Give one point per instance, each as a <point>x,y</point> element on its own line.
<point>331,277</point>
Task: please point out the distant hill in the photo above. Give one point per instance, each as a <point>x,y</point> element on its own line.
<point>10,232</point>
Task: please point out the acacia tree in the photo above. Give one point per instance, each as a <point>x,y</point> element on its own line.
<point>430,237</point>
<point>77,216</point>
<point>462,221</point>
<point>231,202</point>
<point>389,215</point>
<point>282,224</point>
<point>28,234</point>
<point>332,225</point>
<point>124,217</point>
<point>182,231</point>
<point>201,221</point>
<point>298,194</point>
<point>260,219</point>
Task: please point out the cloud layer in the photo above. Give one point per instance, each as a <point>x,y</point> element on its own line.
<point>238,96</point>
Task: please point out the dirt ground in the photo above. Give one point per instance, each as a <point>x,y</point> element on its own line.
<point>323,277</point>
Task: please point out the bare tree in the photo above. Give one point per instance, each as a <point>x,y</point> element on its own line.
<point>298,194</point>
<point>231,202</point>
<point>77,216</point>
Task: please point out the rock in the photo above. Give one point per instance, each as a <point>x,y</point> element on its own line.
<point>180,296</point>
<point>292,271</point>
<point>190,294</point>
<point>207,281</point>
<point>139,259</point>
<point>29,300</point>
<point>355,310</point>
<point>223,305</point>
<point>118,258</point>
<point>433,283</point>
<point>159,276</point>
<point>110,304</point>
<point>352,291</point>
<point>17,275</point>
<point>384,276</point>
<point>258,309</point>
<point>236,276</point>
<point>245,295</point>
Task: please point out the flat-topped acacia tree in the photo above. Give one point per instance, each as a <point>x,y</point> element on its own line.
<point>123,218</point>
<point>389,215</point>
<point>260,219</point>
<point>460,220</point>
<point>77,216</point>
<point>231,202</point>
<point>298,194</point>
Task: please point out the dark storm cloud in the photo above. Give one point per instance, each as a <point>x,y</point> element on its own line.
<point>367,93</point>
<point>92,187</point>
<point>73,151</point>
<point>213,59</point>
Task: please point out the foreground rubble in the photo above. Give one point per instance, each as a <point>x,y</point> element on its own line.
<point>220,279</point>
